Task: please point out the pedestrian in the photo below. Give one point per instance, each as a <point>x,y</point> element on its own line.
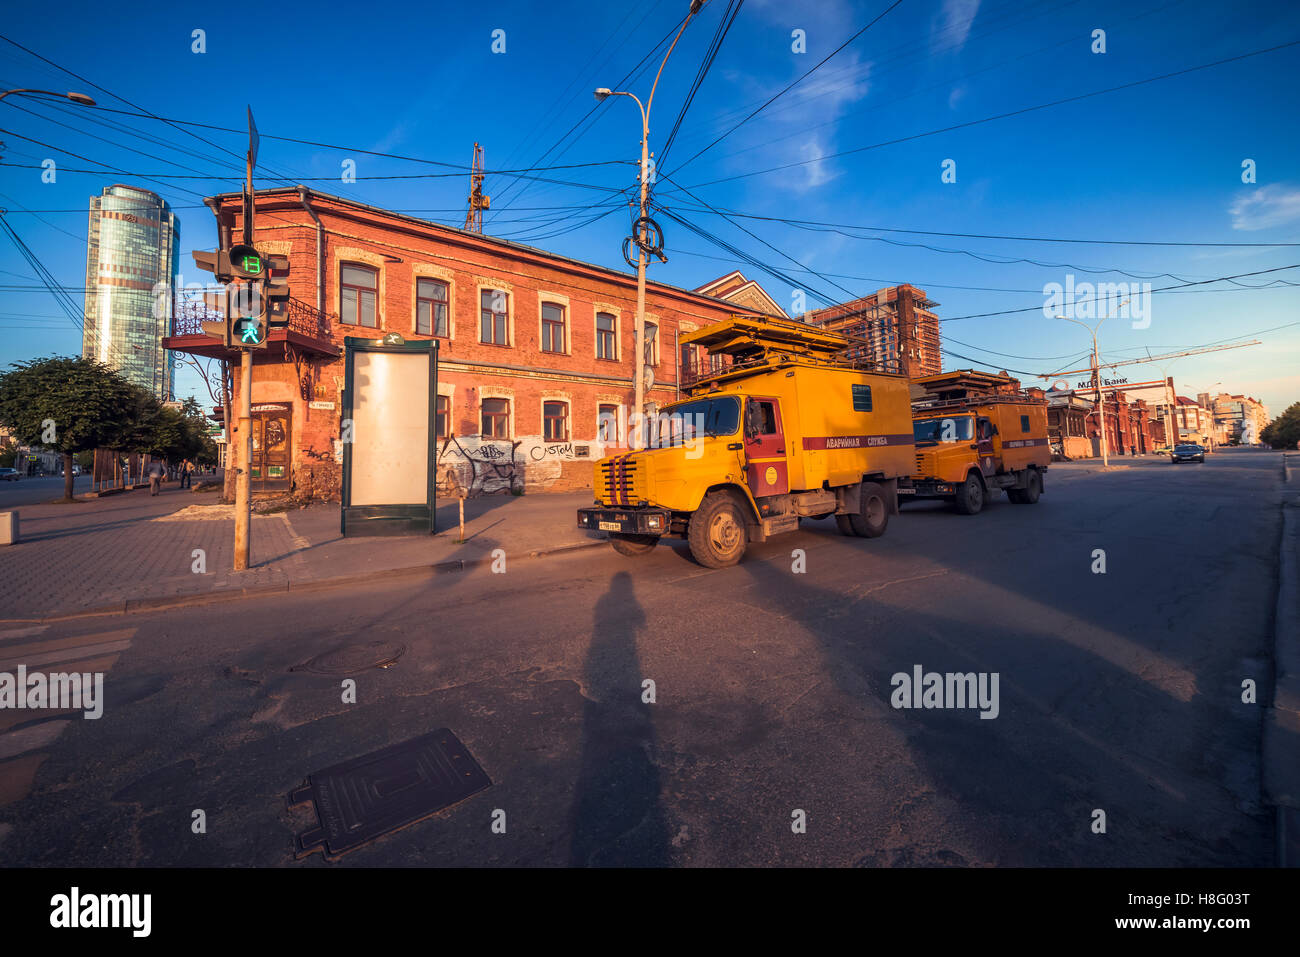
<point>156,472</point>
<point>187,474</point>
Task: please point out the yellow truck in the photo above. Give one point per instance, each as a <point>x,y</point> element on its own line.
<point>778,426</point>
<point>976,433</point>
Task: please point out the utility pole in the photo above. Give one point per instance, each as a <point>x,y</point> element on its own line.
<point>1096,381</point>
<point>642,237</point>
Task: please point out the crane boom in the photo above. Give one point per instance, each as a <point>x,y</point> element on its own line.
<point>1149,358</point>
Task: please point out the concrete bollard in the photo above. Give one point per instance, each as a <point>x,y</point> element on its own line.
<point>8,528</point>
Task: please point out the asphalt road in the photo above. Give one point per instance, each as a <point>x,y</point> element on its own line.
<point>33,491</point>
<point>1117,693</point>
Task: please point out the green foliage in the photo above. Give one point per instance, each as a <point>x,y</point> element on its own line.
<point>1284,431</point>
<point>87,403</point>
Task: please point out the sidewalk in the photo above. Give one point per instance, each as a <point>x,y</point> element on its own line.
<point>135,550</point>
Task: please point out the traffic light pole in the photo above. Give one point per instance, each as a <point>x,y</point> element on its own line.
<point>243,477</point>
<point>243,485</point>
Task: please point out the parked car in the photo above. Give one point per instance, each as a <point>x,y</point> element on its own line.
<point>1187,453</point>
<point>9,475</point>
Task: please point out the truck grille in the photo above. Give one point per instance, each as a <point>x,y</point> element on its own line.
<point>618,481</point>
<point>920,464</point>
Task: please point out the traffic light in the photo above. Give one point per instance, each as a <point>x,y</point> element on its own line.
<point>246,262</point>
<point>276,291</point>
<point>217,263</point>
<point>247,312</point>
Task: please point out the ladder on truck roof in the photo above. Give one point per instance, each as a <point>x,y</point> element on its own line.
<point>742,344</point>
<point>950,405</point>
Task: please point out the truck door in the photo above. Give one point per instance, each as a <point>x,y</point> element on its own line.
<point>765,462</point>
<point>984,443</point>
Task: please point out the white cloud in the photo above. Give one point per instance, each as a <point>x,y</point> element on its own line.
<point>956,96</point>
<point>1274,205</point>
<point>952,25</point>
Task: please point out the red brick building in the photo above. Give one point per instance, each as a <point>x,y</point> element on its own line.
<point>535,354</point>
<point>897,325</point>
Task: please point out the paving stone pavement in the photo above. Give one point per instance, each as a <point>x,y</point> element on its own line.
<point>133,546</point>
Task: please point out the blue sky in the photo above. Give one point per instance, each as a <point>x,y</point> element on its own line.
<point>1158,163</point>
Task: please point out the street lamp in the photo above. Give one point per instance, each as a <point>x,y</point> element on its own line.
<point>1096,378</point>
<point>74,97</point>
<point>642,257</point>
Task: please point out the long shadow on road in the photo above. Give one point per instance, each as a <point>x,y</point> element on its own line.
<point>617,818</point>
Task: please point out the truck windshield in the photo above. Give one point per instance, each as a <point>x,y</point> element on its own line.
<point>683,422</point>
<point>959,428</point>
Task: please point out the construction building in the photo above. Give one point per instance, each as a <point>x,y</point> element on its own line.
<point>897,327</point>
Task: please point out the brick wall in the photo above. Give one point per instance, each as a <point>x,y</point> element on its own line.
<point>402,251</point>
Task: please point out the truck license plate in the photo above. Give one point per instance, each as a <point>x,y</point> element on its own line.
<point>611,526</point>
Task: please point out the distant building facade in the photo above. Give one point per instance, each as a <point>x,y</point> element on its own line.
<point>133,250</point>
<point>1239,418</point>
<point>897,326</point>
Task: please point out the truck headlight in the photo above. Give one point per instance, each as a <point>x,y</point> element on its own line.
<point>655,522</point>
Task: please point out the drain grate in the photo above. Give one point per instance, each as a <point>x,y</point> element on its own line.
<point>351,659</point>
<point>386,790</point>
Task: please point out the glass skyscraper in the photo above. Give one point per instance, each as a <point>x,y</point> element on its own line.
<point>131,266</point>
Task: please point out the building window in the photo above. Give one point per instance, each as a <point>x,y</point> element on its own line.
<point>607,423</point>
<point>496,418</point>
<point>359,295</point>
<point>1024,423</point>
<point>552,327</point>
<point>442,424</point>
<point>651,344</point>
<point>494,306</point>
<point>431,307</point>
<point>605,341</point>
<point>555,421</point>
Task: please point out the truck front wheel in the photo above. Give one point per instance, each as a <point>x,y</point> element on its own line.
<point>716,533</point>
<point>970,497</point>
<point>633,545</point>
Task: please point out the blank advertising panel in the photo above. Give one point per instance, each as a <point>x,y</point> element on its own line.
<point>390,428</point>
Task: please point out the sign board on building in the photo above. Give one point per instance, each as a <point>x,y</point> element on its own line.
<point>328,406</point>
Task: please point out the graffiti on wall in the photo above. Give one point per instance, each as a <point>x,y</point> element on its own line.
<point>484,466</point>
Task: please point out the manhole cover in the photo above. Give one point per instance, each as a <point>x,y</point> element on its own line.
<point>386,790</point>
<point>351,659</point>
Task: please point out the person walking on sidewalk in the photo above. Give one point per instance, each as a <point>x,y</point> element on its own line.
<point>156,472</point>
<point>187,474</point>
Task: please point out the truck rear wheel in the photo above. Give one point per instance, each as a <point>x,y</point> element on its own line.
<point>970,497</point>
<point>716,534</point>
<point>1033,488</point>
<point>633,545</point>
<point>873,519</point>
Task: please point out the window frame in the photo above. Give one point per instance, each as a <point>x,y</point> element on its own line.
<point>504,316</point>
<point>445,431</point>
<point>613,336</point>
<point>484,415</point>
<point>563,323</point>
<point>563,419</point>
<point>653,359</point>
<point>433,303</point>
<point>374,270</point>
<point>611,439</point>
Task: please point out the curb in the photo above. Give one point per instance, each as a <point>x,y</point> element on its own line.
<point>141,605</point>
<point>1280,764</point>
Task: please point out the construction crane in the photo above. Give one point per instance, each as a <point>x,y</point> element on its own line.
<point>477,201</point>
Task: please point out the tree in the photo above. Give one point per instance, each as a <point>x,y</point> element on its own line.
<point>66,404</point>
<point>1284,431</point>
